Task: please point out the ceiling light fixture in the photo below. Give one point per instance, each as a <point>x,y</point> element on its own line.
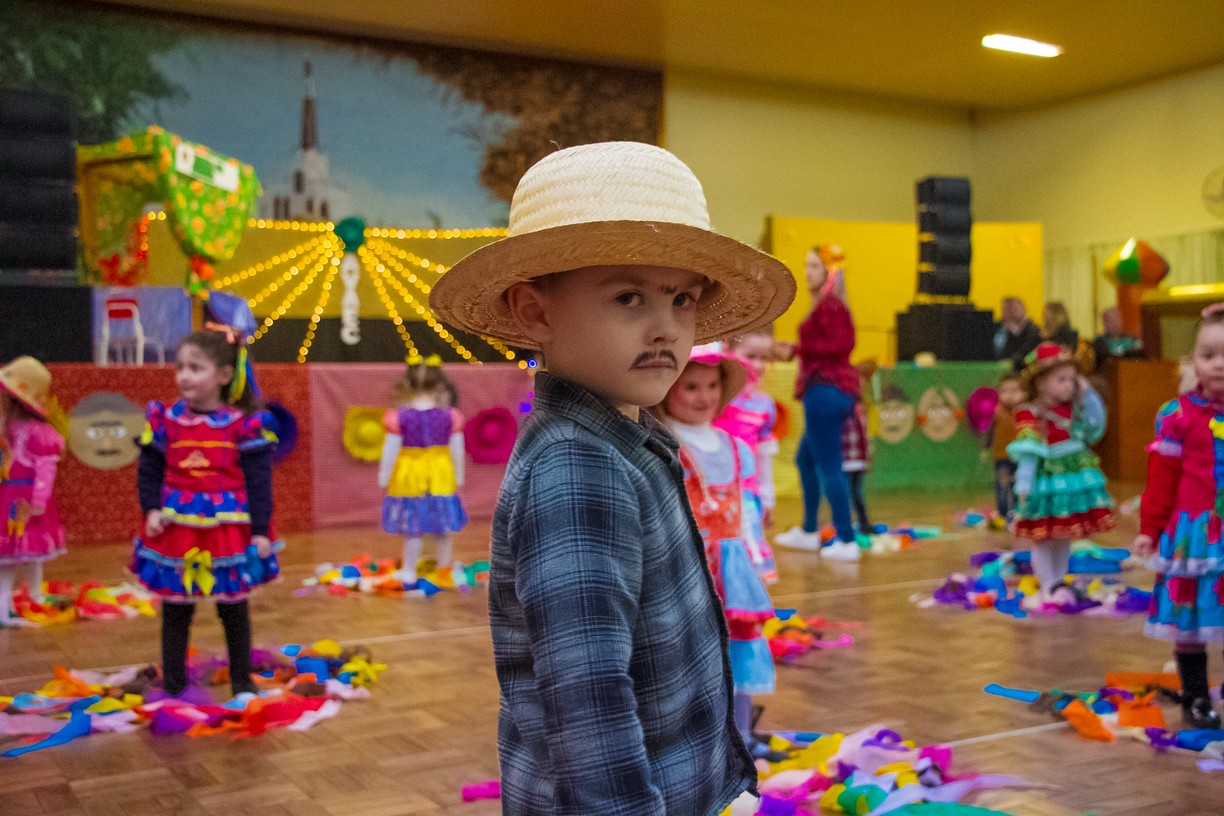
<point>1021,45</point>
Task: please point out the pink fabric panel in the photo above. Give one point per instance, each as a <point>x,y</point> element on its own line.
<point>346,492</point>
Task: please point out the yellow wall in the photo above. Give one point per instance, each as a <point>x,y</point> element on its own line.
<point>881,276</point>
<point>1109,167</point>
<point>762,150</point>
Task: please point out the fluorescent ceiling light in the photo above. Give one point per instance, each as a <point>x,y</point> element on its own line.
<point>1021,45</point>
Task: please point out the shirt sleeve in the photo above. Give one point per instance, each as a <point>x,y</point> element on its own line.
<point>257,470</point>
<point>154,434</point>
<point>45,448</point>
<point>1164,470</point>
<point>258,432</point>
<point>577,537</point>
<point>150,476</point>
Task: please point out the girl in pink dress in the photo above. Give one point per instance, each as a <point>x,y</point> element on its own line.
<point>30,449</point>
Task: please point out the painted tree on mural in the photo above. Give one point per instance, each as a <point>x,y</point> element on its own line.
<point>550,105</point>
<point>103,63</point>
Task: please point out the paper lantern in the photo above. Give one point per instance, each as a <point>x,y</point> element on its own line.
<point>489,436</point>
<point>364,433</point>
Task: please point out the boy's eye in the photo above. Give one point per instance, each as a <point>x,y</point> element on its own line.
<point>684,299</point>
<point>629,298</point>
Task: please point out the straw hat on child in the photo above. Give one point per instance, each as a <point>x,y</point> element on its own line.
<point>29,382</point>
<point>613,203</point>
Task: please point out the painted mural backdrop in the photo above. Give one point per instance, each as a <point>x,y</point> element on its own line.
<point>400,135</point>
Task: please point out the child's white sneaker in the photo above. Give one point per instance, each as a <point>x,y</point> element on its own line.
<point>796,539</point>
<point>842,551</point>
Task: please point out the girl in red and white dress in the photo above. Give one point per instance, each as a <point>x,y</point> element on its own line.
<point>30,528</point>
<point>205,485</point>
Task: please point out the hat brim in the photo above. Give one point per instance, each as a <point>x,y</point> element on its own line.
<point>1035,369</point>
<point>749,288</point>
<point>39,410</point>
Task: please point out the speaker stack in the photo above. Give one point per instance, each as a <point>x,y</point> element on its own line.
<point>43,309</point>
<point>942,320</point>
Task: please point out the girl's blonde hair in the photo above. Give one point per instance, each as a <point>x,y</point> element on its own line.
<point>424,377</point>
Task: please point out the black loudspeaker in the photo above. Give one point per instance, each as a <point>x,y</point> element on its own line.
<point>950,331</point>
<point>52,323</point>
<point>38,202</point>
<point>944,246</point>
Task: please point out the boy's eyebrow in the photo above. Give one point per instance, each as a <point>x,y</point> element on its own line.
<point>630,279</point>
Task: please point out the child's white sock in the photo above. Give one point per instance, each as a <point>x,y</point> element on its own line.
<point>412,556</point>
<point>446,550</point>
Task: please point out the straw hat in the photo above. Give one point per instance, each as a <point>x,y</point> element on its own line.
<point>29,382</point>
<point>1045,358</point>
<point>613,203</point>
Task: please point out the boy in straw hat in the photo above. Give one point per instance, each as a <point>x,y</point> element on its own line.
<point>609,641</point>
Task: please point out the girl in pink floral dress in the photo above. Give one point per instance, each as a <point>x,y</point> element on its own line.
<point>30,449</point>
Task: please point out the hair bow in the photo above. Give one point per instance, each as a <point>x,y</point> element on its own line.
<point>433,360</point>
<point>1213,309</point>
<point>243,376</point>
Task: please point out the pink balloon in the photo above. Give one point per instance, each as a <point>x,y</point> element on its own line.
<point>980,407</point>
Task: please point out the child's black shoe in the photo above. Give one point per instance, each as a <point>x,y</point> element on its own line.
<point>1199,713</point>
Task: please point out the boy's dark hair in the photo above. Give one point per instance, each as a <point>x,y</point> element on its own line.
<point>217,347</point>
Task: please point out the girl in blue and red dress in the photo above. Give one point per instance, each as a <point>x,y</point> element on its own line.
<point>205,485</point>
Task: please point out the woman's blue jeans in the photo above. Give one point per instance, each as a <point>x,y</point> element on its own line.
<point>825,409</point>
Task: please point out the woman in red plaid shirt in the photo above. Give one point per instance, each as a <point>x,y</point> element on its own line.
<point>828,386</point>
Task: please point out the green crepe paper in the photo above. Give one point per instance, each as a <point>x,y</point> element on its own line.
<point>118,179</point>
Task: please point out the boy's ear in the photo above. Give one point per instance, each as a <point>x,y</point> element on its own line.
<point>529,306</point>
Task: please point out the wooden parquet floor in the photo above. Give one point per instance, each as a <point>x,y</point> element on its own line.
<point>431,725</point>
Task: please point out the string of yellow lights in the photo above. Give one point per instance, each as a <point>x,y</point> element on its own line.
<point>317,314</point>
<point>446,234</point>
<point>414,304</point>
<point>392,255</point>
<point>332,257</point>
<point>296,226</point>
<point>271,263</point>
<point>368,263</point>
<point>292,272</point>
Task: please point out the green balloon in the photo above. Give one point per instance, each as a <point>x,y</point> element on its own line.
<point>351,232</point>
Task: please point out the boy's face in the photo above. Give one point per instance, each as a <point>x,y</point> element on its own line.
<point>624,332</point>
<point>1011,393</point>
<point>695,397</point>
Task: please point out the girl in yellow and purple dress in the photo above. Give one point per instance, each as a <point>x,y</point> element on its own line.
<point>422,465</point>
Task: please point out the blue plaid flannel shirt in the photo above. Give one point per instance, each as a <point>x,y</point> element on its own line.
<point>609,639</point>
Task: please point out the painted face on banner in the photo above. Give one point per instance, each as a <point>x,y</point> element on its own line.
<point>103,429</point>
<point>939,413</point>
<point>896,416</point>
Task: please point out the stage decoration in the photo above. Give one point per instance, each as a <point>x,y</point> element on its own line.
<point>896,415</point>
<point>1134,268</point>
<point>489,436</point>
<point>103,429</point>
<point>351,232</point>
<point>939,413</point>
<point>348,249</point>
<point>1127,705</point>
<point>364,433</point>
<point>206,198</point>
<point>299,687</point>
<point>286,430</point>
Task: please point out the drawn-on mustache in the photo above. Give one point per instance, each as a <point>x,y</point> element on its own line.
<point>648,357</point>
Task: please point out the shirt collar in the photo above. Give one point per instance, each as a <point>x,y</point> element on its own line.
<point>567,399</point>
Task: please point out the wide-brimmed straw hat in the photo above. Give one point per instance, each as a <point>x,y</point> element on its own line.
<point>613,203</point>
<point>29,382</point>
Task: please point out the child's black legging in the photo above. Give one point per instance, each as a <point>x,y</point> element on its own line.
<point>1192,667</point>
<point>855,477</point>
<point>176,632</point>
